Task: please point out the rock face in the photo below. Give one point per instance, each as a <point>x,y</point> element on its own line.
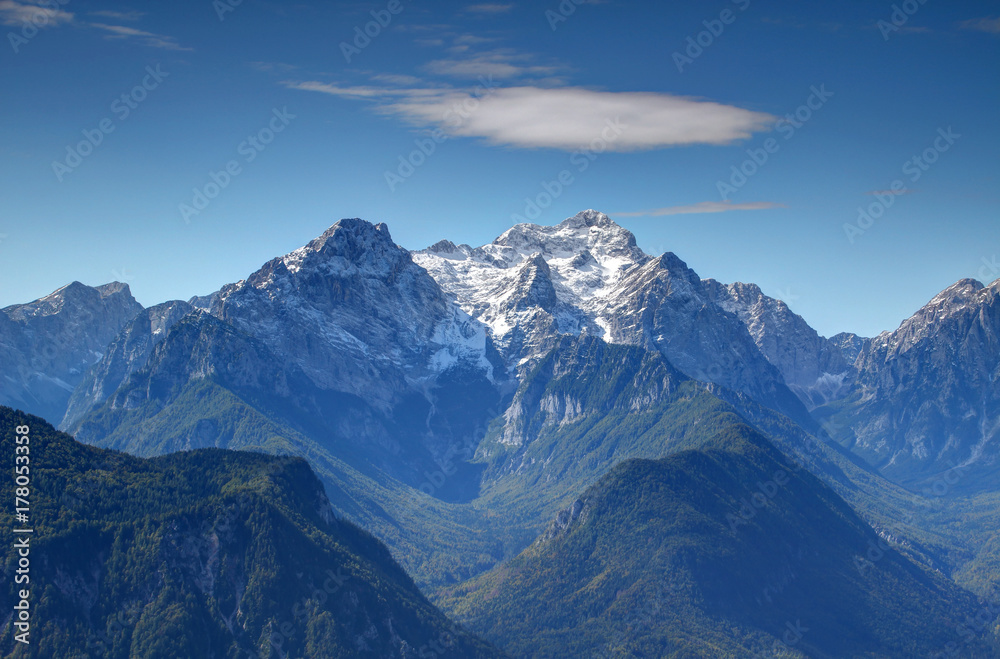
<point>345,340</point>
<point>816,369</point>
<point>586,376</point>
<point>586,275</point>
<point>356,314</point>
<point>927,397</point>
<point>128,353</point>
<point>47,345</point>
<point>850,345</point>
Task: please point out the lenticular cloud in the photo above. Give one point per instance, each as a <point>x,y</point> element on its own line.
<point>566,118</point>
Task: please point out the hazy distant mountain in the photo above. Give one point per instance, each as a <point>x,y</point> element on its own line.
<point>47,345</point>
<point>850,344</point>
<point>927,397</point>
<point>724,551</point>
<point>205,554</point>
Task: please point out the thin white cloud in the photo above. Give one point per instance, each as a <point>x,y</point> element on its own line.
<point>272,67</point>
<point>490,8</point>
<point>118,15</point>
<point>355,92</point>
<point>463,43</point>
<point>473,39</point>
<point>422,27</point>
<point>894,193</point>
<point>396,79</point>
<point>19,13</point>
<point>704,207</point>
<point>497,64</point>
<point>570,118</point>
<point>991,25</point>
<point>146,38</point>
<point>567,118</point>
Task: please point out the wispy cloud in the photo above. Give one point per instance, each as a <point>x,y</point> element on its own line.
<point>273,67</point>
<point>796,24</point>
<point>397,79</point>
<point>490,8</point>
<point>894,193</point>
<point>118,15</point>
<point>19,13</point>
<point>145,38</point>
<point>566,118</point>
<point>422,27</point>
<point>463,43</point>
<point>704,207</point>
<point>499,64</point>
<point>991,25</point>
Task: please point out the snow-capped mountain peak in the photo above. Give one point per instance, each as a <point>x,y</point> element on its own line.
<point>352,308</point>
<point>349,245</point>
<point>587,232</point>
<point>535,280</point>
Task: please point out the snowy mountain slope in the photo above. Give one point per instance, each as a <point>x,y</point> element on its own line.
<point>534,281</point>
<point>355,313</point>
<point>587,275</point>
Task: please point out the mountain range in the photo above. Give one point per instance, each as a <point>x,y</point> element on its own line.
<point>205,553</point>
<point>455,400</point>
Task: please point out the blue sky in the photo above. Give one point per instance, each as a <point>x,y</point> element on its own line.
<point>637,109</point>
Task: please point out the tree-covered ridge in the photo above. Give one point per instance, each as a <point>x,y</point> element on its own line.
<point>729,550</point>
<point>207,553</point>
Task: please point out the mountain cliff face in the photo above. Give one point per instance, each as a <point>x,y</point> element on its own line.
<point>927,398</point>
<point>379,354</point>
<point>47,345</point>
<point>816,369</point>
<point>356,314</point>
<point>850,345</point>
<point>126,354</point>
<point>586,275</point>
<point>205,554</point>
